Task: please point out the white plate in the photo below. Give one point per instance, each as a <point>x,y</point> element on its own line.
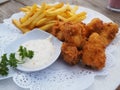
<point>33,35</point>
<point>69,78</point>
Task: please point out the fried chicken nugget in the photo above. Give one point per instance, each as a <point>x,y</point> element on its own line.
<point>57,31</point>
<point>109,32</point>
<point>94,52</point>
<point>96,25</point>
<point>74,33</point>
<point>70,53</point>
<point>70,32</point>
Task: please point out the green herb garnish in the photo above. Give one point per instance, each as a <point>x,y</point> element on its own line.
<point>12,61</point>
<point>23,52</point>
<point>4,65</point>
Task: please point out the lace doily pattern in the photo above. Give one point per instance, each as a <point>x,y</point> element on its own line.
<point>55,79</point>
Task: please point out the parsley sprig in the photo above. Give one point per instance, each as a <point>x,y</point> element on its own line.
<point>4,65</point>
<point>12,61</point>
<point>25,53</point>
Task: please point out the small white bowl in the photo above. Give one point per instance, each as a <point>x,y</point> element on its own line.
<point>32,35</point>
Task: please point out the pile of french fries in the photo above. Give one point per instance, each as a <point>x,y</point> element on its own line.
<point>46,15</point>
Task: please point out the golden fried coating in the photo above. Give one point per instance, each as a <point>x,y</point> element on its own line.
<point>94,52</point>
<point>57,31</point>
<point>96,25</point>
<point>70,32</point>
<point>109,32</point>
<point>70,54</point>
<point>74,33</point>
<point>86,41</point>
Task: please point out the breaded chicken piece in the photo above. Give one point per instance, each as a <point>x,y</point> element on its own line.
<point>74,33</point>
<point>96,25</point>
<point>70,32</point>
<point>57,31</point>
<point>109,32</point>
<point>70,53</point>
<point>94,52</point>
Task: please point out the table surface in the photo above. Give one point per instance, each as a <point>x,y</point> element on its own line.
<point>12,6</point>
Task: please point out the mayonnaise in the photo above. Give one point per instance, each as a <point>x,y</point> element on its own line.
<point>43,50</point>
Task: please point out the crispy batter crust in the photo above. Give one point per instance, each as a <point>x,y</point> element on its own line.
<point>86,41</point>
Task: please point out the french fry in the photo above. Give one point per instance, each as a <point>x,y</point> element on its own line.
<point>74,17</point>
<point>50,9</point>
<point>59,5</point>
<point>56,6</point>
<point>24,9</point>
<point>58,11</point>
<point>40,22</point>
<point>75,8</point>
<point>47,26</point>
<point>70,13</point>
<point>80,18</point>
<point>82,14</point>
<point>17,24</point>
<point>61,18</point>
<point>29,14</point>
<point>71,18</point>
<point>34,16</point>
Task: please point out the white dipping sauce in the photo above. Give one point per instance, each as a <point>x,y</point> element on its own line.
<point>43,50</point>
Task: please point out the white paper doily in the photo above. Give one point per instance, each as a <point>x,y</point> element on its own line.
<point>59,76</point>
